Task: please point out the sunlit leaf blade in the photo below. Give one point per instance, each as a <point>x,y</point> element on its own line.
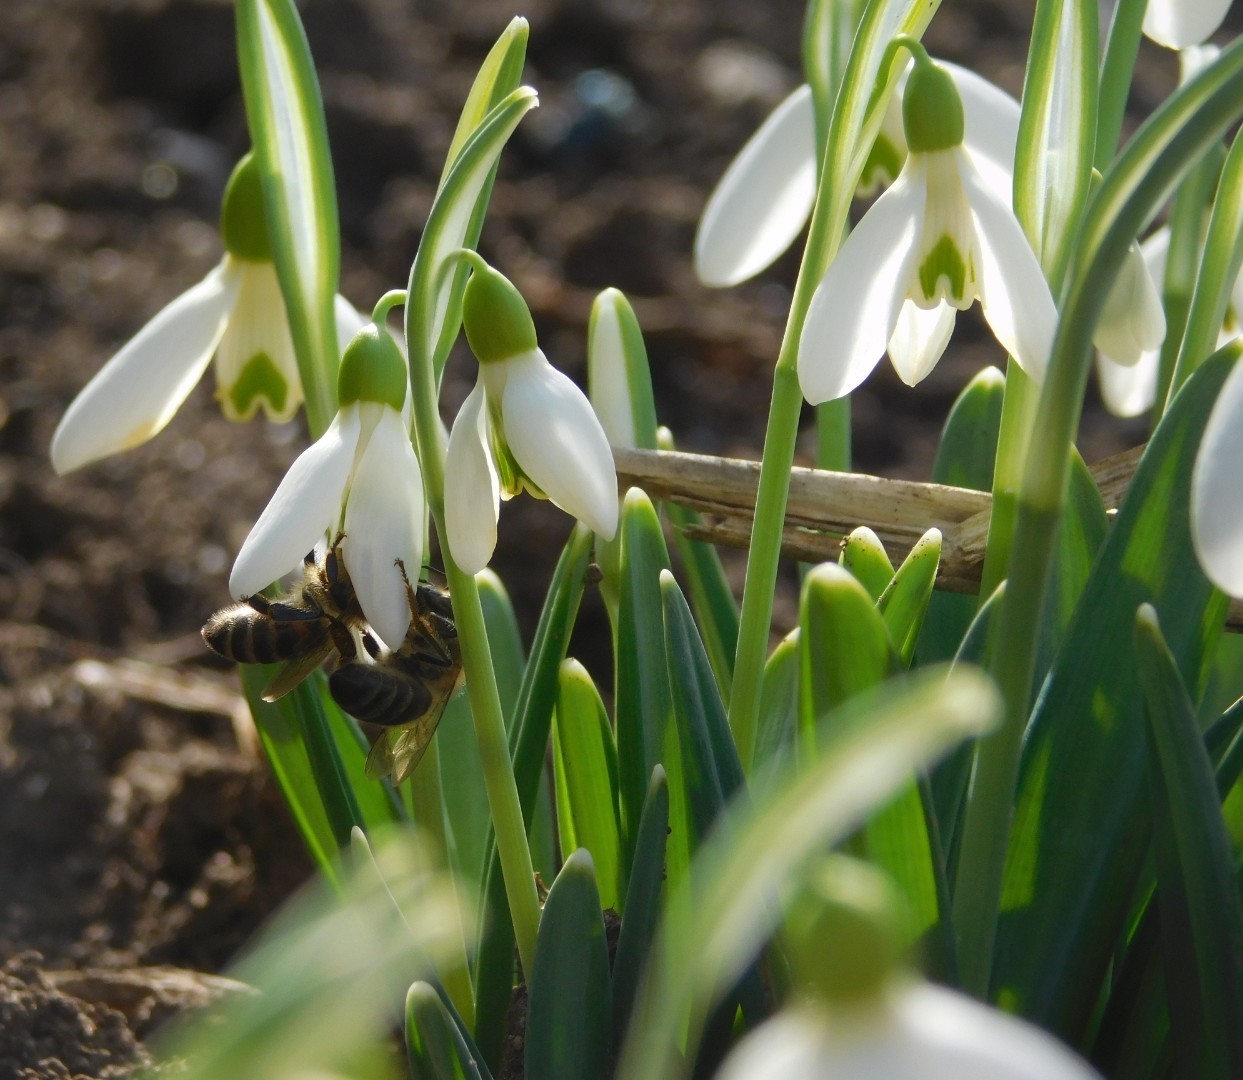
<point>844,646</point>
<point>1080,534</point>
<point>499,76</point>
<point>570,998</point>
<point>435,1047</point>
<point>641,703</point>
<point>904,602</point>
<point>433,307</point>
<point>1201,917</point>
<point>1057,127</point>
<point>716,922</point>
<point>964,458</point>
<point>1075,845</point>
<point>377,803</point>
<point>864,556</point>
<point>587,772</point>
<point>286,117</point>
<point>643,895</point>
<point>778,701</point>
<point>329,970</point>
<point>528,742</point>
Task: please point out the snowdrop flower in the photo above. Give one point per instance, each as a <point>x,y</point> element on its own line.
<point>917,1031</point>
<point>524,425</point>
<point>765,197</point>
<point>1180,23</point>
<point>942,236</point>
<point>360,478</point>
<point>1132,329</point>
<point>236,313</point>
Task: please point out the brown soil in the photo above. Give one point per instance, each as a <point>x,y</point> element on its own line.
<point>141,839</point>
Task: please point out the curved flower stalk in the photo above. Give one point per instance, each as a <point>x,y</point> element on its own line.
<point>236,313</point>
<point>765,197</point>
<point>941,237</point>
<point>916,1031</point>
<point>1180,23</point>
<point>361,478</point>
<point>525,425</point>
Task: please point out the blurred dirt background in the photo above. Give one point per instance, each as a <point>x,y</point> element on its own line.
<point>141,840</point>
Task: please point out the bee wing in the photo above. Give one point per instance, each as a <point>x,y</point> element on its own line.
<point>297,669</point>
<point>398,751</point>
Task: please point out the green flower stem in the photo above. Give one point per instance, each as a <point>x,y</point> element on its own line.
<point>431,443</point>
<point>1177,136</point>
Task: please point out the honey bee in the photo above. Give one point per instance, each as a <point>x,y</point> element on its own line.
<point>405,690</point>
<point>300,629</point>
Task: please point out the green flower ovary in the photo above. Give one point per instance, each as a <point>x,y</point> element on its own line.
<point>372,369</point>
<point>496,318</point>
<point>243,220</point>
<point>944,262</point>
<point>932,113</point>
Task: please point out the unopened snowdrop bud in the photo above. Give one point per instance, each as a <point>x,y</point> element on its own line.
<point>619,381</point>
<point>525,426</point>
<point>236,313</point>
<point>361,478</point>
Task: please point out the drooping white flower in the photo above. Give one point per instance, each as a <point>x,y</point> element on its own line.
<point>524,425</point>
<point>236,313</point>
<point>361,478</point>
<point>940,238</point>
<point>1180,23</point>
<point>765,197</point>
<point>917,1031</point>
<point>1132,328</point>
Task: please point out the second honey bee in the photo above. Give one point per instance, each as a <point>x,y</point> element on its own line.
<point>405,690</point>
<point>300,629</point>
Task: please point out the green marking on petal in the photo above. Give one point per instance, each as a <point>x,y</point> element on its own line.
<point>260,384</point>
<point>883,164</point>
<point>943,262</point>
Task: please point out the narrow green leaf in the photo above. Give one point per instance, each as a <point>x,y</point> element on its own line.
<point>964,458</point>
<point>865,557</point>
<point>528,742</point>
<point>844,645</point>
<point>643,895</point>
<point>570,1004</point>
<point>641,702</point>
<point>778,701</point>
<point>1201,917</point>
<point>435,1047</point>
<point>583,740</point>
<point>286,118</point>
<point>905,600</point>
<point>1075,846</point>
<point>717,921</point>
<point>378,804</point>
<point>433,306</point>
<point>498,77</point>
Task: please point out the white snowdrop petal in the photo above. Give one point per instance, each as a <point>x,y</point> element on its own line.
<point>1128,390</point>
<point>256,354</point>
<point>136,393</point>
<point>1013,291</point>
<point>305,506</point>
<point>472,495</point>
<point>855,307</point>
<point>556,439</point>
<point>1180,23</point>
<point>349,321</point>
<point>384,524</point>
<point>919,339</point>
<point>1133,321</point>
<point>764,198</point>
<point>1216,509</point>
<point>991,123</point>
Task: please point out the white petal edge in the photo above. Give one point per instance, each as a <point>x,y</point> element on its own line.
<point>1014,294</point>
<point>764,199</point>
<point>1128,390</point>
<point>855,307</point>
<point>1133,321</point>
<point>384,523</point>
<point>919,339</point>
<point>558,441</point>
<point>306,505</point>
<point>1180,23</point>
<point>925,1033</point>
<point>472,492</point>
<point>991,125</point>
<point>1216,510</point>
<point>135,394</point>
